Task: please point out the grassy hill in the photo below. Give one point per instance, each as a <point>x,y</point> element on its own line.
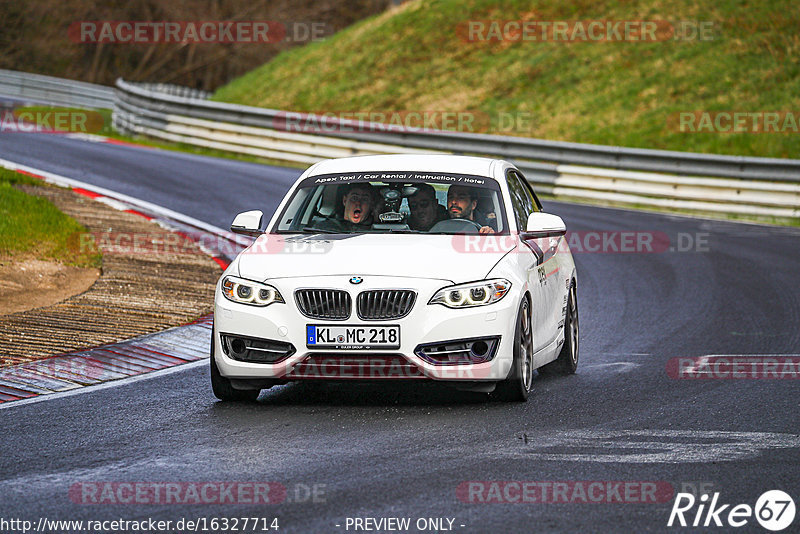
<point>416,57</point>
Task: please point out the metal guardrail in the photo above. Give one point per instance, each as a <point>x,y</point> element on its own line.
<point>176,90</point>
<point>684,180</point>
<point>36,88</point>
<point>501,146</point>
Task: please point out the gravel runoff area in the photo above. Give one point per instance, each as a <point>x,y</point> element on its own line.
<point>150,279</point>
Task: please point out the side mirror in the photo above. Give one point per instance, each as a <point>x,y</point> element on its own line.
<point>248,223</point>
<point>545,225</point>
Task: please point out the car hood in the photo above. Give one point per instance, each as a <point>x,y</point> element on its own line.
<point>455,258</point>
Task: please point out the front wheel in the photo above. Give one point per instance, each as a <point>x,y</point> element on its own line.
<point>517,386</point>
<point>567,361</point>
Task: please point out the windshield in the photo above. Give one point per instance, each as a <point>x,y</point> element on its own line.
<point>395,202</point>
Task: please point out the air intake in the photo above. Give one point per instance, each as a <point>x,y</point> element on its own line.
<point>255,350</point>
<point>459,351</point>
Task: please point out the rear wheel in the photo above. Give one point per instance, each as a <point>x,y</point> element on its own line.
<point>517,386</point>
<point>567,361</point>
<point>222,387</point>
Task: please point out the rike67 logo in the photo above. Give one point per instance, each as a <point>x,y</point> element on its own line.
<point>774,510</point>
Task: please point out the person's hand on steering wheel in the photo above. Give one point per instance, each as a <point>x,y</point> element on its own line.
<point>459,225</point>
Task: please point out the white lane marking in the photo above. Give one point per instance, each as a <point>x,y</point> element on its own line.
<point>113,203</point>
<point>649,446</point>
<point>618,367</point>
<point>92,138</point>
<point>104,385</point>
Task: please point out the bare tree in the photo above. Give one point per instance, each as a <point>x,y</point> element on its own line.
<point>36,37</point>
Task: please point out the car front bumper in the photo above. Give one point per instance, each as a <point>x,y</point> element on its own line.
<point>283,322</point>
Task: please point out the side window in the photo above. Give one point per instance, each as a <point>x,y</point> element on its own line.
<point>527,197</point>
<point>519,200</point>
<point>535,204</point>
<point>296,206</point>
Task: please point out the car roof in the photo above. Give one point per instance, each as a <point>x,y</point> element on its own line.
<point>445,163</point>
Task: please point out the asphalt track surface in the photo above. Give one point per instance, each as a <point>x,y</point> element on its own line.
<point>402,450</point>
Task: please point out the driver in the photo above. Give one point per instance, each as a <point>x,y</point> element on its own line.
<point>425,209</point>
<point>461,203</point>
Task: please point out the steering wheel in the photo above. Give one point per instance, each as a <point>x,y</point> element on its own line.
<point>455,226</point>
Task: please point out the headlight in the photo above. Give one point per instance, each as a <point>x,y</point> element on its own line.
<point>249,292</point>
<point>472,294</point>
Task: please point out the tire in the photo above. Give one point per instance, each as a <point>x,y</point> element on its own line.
<point>222,387</point>
<point>517,386</point>
<point>567,361</point>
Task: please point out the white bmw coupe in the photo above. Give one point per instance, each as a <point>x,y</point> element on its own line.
<point>431,267</point>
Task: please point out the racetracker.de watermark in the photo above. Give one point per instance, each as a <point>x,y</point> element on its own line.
<point>585,31</point>
<point>735,121</point>
<point>344,368</point>
<point>56,120</point>
<point>172,243</point>
<point>735,367</point>
<point>331,122</point>
<point>86,370</point>
<point>177,493</point>
<point>578,242</point>
<point>564,492</point>
<point>588,241</point>
<point>203,492</point>
<point>374,367</point>
<point>197,32</point>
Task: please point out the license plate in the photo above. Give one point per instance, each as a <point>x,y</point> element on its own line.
<point>352,337</point>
